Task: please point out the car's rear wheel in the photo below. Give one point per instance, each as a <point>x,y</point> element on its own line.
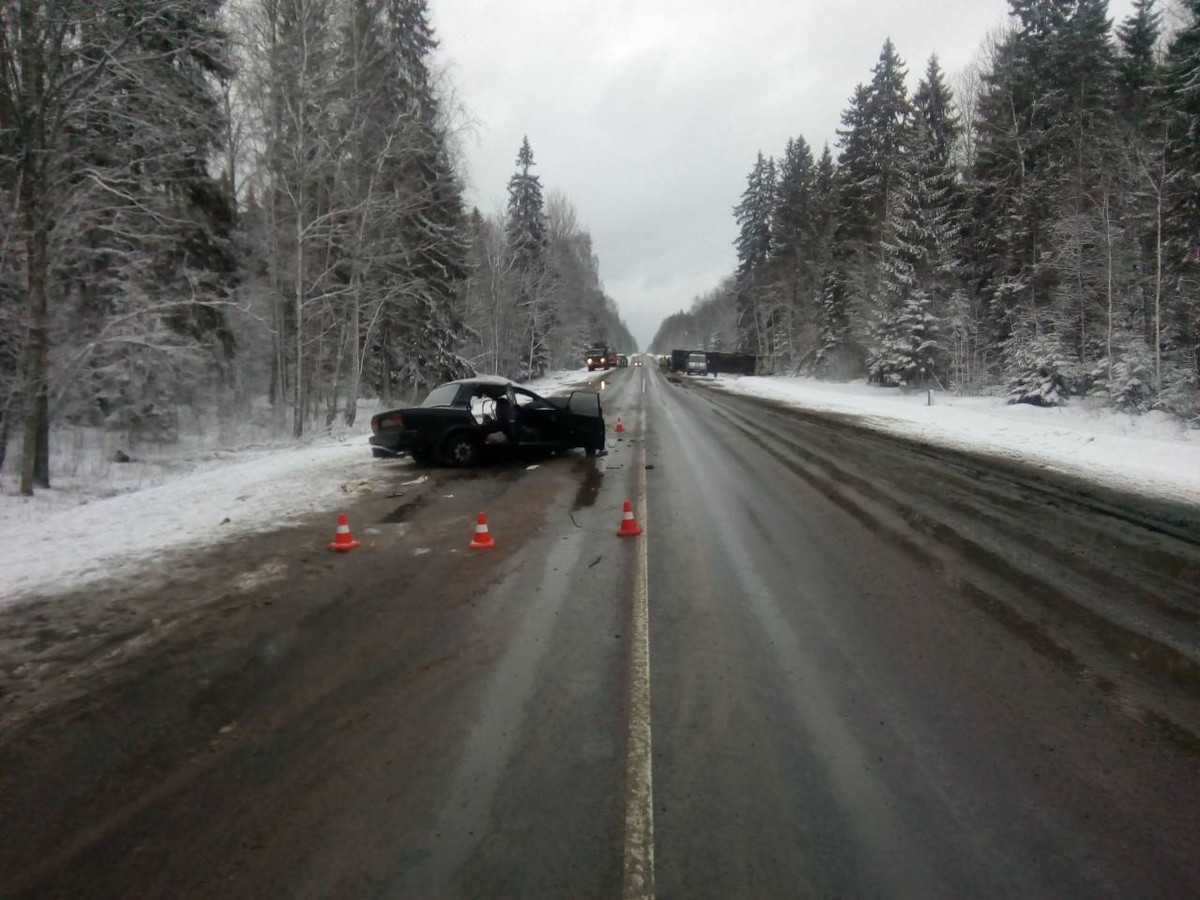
<point>461,450</point>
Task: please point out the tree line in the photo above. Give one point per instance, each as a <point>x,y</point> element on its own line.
<point>1038,233</point>
<point>205,204</point>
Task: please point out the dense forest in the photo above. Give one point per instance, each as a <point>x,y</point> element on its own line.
<point>211,205</point>
<point>1034,232</point>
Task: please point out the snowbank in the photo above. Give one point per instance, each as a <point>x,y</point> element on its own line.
<point>1152,454</point>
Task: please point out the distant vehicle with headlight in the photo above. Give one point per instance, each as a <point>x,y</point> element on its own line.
<point>598,358</point>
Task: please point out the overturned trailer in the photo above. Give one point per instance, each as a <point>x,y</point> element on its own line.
<point>732,363</point>
<point>719,363</point>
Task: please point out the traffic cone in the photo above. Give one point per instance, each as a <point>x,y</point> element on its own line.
<point>343,540</point>
<point>620,428</point>
<point>629,526</point>
<point>483,538</point>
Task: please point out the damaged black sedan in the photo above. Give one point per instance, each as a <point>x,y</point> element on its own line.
<point>459,421</point>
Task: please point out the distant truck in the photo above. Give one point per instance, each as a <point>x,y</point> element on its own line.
<point>599,358</point>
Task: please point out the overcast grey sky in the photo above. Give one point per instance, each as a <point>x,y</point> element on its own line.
<point>648,114</point>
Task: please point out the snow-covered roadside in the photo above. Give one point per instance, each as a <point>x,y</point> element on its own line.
<point>86,529</point>
<point>1151,454</point>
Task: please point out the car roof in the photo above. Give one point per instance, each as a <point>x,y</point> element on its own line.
<point>485,379</point>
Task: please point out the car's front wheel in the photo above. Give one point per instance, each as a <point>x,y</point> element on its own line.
<point>461,450</point>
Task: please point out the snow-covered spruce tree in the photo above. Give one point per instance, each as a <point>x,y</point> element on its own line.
<point>1041,371</point>
<point>1181,95</point>
<point>1141,178</point>
<point>823,208</point>
<point>838,355</point>
<point>1084,139</point>
<point>874,143</point>
<point>935,108</point>
<point>857,176</point>
<point>1137,67</point>
<point>822,224</point>
<point>531,277</point>
<point>1179,336</point>
<point>425,328</point>
<point>889,117</point>
<point>1042,179</point>
<point>917,270</point>
<point>873,139</point>
<point>943,208</point>
<point>753,244</point>
<point>107,122</point>
<point>919,274</point>
<point>1126,379</point>
<point>160,263</point>
<point>1010,182</point>
<point>796,263</point>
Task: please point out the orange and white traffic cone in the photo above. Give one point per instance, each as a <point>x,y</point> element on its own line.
<point>483,537</point>
<point>343,540</point>
<point>620,429</point>
<point>629,526</point>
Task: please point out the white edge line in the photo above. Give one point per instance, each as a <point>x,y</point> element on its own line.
<point>638,877</point>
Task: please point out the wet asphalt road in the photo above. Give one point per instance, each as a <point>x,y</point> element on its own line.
<point>874,671</point>
<point>880,672</point>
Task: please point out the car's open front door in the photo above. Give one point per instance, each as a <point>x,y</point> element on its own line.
<point>506,413</point>
<point>587,420</point>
